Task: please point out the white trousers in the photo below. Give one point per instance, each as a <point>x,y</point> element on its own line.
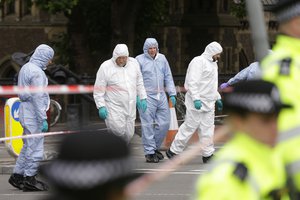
<point>196,119</point>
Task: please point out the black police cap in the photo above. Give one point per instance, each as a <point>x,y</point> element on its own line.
<point>88,160</point>
<point>256,96</point>
<point>283,4</point>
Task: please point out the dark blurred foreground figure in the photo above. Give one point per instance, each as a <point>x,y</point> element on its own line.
<point>282,67</point>
<point>90,166</point>
<point>248,167</point>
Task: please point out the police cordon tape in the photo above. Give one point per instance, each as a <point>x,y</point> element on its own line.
<point>34,135</point>
<point>63,89</point>
<point>51,89</point>
<point>68,132</point>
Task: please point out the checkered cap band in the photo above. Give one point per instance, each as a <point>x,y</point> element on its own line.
<point>86,175</point>
<point>260,103</point>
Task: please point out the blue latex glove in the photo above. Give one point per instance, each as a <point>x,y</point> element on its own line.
<point>173,100</point>
<point>144,105</point>
<point>223,86</point>
<point>45,126</point>
<point>138,102</point>
<point>102,112</point>
<point>197,104</point>
<point>219,105</point>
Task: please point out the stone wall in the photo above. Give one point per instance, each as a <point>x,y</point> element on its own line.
<point>23,26</point>
<point>20,39</point>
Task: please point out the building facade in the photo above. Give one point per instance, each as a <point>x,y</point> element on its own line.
<point>23,26</point>
<point>193,24</point>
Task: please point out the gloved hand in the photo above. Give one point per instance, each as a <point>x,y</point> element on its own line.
<point>45,126</point>
<point>223,86</point>
<point>144,105</point>
<point>197,104</point>
<point>102,112</point>
<point>219,105</point>
<point>138,102</point>
<point>173,100</point>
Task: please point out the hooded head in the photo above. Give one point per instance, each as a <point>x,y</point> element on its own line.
<point>42,56</point>
<point>120,54</point>
<point>212,51</point>
<point>150,43</point>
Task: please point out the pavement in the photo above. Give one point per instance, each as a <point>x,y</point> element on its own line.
<point>8,159</point>
<point>178,185</point>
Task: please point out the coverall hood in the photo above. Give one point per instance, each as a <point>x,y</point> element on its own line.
<point>212,49</point>
<point>42,55</point>
<point>150,42</point>
<point>120,50</point>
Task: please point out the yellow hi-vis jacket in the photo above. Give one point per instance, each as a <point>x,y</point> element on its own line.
<point>282,67</point>
<point>244,169</point>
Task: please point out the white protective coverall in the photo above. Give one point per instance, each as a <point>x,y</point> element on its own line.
<point>201,83</point>
<point>33,109</point>
<point>116,88</point>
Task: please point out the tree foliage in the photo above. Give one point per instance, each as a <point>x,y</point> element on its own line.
<point>99,27</point>
<point>238,9</point>
<point>152,16</point>
<point>56,6</point>
<point>105,22</point>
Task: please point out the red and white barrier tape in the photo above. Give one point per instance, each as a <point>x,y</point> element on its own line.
<point>67,132</point>
<point>57,133</point>
<point>36,135</point>
<point>62,89</point>
<point>51,89</point>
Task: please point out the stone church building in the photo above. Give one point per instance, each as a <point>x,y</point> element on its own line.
<point>193,24</point>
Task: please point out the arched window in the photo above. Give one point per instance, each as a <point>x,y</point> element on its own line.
<point>224,6</point>
<point>243,60</point>
<point>9,7</point>
<point>26,7</point>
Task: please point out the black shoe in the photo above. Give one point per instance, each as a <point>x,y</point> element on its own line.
<point>16,180</point>
<point>206,159</point>
<point>170,154</point>
<point>159,154</point>
<point>152,158</point>
<point>31,184</point>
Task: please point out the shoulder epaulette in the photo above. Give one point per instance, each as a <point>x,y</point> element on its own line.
<point>240,171</point>
<point>285,66</point>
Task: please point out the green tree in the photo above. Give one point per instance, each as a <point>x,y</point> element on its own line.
<point>238,8</point>
<point>56,6</point>
<point>107,22</point>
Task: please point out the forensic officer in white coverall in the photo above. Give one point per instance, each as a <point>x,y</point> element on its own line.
<point>118,83</point>
<point>201,83</point>
<point>33,119</point>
